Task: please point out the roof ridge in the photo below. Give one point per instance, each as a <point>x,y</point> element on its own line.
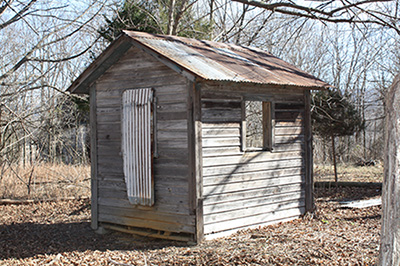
<point>187,40</point>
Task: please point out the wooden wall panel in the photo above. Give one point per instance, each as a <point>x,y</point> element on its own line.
<point>171,209</point>
<point>243,189</point>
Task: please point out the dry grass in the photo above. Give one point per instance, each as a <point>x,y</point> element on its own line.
<point>44,181</point>
<point>349,173</point>
<point>47,181</point>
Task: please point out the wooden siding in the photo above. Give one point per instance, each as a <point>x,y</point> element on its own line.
<point>242,189</point>
<point>171,212</point>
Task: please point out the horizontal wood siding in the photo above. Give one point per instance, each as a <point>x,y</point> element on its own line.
<point>171,209</point>
<point>243,189</point>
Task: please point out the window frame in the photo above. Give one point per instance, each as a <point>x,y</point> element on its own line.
<point>268,125</point>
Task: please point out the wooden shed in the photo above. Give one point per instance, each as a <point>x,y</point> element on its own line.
<point>193,138</point>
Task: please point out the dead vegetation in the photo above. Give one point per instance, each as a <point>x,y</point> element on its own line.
<point>58,233</point>
<point>44,181</point>
<point>349,173</point>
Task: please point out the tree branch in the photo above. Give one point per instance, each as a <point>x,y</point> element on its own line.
<point>333,15</point>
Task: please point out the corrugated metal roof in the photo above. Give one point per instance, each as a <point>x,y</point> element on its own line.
<point>226,62</point>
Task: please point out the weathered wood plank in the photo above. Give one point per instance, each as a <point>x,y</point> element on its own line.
<point>297,146</point>
<point>234,88</point>
<point>195,183</point>
<point>288,123</point>
<point>219,142</point>
<point>220,104</point>
<point>248,212</point>
<point>159,207</point>
<point>220,132</point>
<point>104,127</point>
<point>109,136</point>
<point>243,195</point>
<point>143,223</point>
<point>94,157</point>
<point>171,135</point>
<point>172,125</point>
<point>171,170</point>
<point>110,118</point>
<point>253,202</point>
<point>221,115</point>
<point>149,215</point>
<point>210,95</point>
<point>172,143</point>
<point>221,151</point>
<point>289,139</point>
<point>282,131</point>
<point>104,149</point>
<point>117,190</point>
<point>171,107</point>
<point>308,153</point>
<point>163,196</point>
<point>166,116</point>
<point>249,185</point>
<point>154,71</point>
<point>173,153</point>
<point>251,167</point>
<point>183,237</point>
<point>255,220</point>
<point>289,106</point>
<point>245,177</point>
<point>251,157</point>
<point>288,116</point>
<point>162,181</point>
<point>110,162</point>
<point>109,57</point>
<point>141,81</point>
<point>206,125</point>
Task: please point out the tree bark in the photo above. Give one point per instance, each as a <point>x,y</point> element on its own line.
<point>390,234</point>
<point>334,160</point>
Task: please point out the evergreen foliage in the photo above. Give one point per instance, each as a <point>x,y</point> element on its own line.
<point>334,115</point>
<point>134,15</point>
<point>152,16</point>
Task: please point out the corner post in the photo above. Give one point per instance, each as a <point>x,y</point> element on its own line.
<point>195,158</point>
<point>93,158</point>
<point>309,179</point>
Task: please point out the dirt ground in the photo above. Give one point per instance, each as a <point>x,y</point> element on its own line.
<point>58,233</point>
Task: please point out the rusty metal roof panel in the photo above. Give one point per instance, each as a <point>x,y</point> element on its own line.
<point>226,62</point>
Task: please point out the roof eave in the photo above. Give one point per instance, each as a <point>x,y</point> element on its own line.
<point>270,85</point>
<point>107,58</point>
<point>179,68</point>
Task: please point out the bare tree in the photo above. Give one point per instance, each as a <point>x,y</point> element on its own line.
<point>40,57</point>
<point>377,12</point>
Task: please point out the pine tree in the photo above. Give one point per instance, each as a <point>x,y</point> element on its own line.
<point>171,17</point>
<point>334,115</point>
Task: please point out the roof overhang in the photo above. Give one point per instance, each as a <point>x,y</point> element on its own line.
<point>106,59</point>
<point>204,61</point>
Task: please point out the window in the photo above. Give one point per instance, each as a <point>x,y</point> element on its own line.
<point>137,145</point>
<point>257,126</point>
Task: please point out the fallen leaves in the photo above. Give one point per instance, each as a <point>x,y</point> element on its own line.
<point>58,233</point>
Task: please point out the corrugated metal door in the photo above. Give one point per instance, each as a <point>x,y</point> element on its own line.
<point>137,145</point>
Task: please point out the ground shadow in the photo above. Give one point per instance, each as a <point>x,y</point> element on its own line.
<point>30,239</point>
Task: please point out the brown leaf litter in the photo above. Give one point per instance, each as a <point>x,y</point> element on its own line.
<point>58,233</point>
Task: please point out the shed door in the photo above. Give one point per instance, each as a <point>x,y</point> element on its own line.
<point>137,145</point>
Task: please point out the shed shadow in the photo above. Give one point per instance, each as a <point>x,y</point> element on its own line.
<point>31,239</point>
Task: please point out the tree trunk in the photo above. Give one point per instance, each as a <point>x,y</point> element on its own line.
<point>334,160</point>
<point>390,234</point>
<point>171,17</point>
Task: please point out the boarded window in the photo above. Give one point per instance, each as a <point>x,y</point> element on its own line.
<point>137,135</point>
<point>257,125</point>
